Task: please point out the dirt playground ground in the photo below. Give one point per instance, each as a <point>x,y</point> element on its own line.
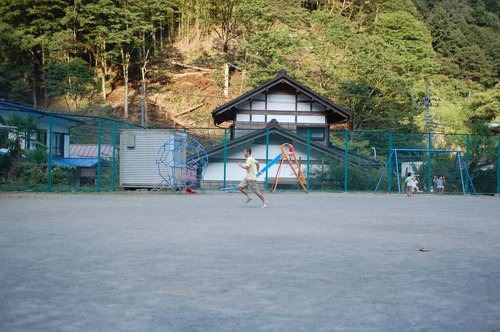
<point>208,262</point>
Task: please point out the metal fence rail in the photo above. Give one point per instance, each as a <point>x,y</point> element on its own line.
<point>342,161</point>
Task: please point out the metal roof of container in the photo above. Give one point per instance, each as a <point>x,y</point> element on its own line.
<point>90,150</point>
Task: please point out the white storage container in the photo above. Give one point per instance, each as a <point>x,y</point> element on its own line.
<point>138,152</point>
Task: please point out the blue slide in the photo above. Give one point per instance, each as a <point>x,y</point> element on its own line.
<point>271,163</point>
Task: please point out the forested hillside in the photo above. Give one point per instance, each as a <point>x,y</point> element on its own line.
<point>372,56</point>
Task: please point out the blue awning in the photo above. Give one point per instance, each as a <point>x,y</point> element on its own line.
<point>75,162</point>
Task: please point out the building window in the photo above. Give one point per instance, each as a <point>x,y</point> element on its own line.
<point>41,137</point>
<point>36,138</point>
<point>29,139</point>
<point>4,137</point>
<point>58,145</point>
<point>317,133</point>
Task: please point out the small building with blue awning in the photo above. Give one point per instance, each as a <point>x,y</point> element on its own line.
<point>60,127</point>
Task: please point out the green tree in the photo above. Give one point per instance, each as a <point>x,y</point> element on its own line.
<point>485,107</point>
<point>466,36</point>
<point>22,129</point>
<point>95,36</point>
<point>74,80</point>
<point>269,51</point>
<point>35,23</point>
<point>125,40</point>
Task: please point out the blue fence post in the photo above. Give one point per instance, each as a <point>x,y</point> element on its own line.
<point>99,133</point>
<point>225,155</point>
<point>459,156</point>
<point>389,189</point>
<point>389,161</point>
<point>267,156</point>
<point>467,158</point>
<point>346,161</point>
<point>308,186</point>
<point>113,164</point>
<point>49,161</point>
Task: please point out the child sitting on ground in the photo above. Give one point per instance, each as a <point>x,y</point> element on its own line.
<point>440,185</point>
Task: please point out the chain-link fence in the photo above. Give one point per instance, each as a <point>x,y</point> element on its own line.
<point>41,151</point>
<point>63,152</point>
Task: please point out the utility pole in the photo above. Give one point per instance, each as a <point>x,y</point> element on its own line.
<point>427,102</point>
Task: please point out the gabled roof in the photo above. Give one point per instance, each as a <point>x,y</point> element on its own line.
<point>292,137</point>
<point>335,113</point>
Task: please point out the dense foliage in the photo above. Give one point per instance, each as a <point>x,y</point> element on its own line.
<point>372,56</point>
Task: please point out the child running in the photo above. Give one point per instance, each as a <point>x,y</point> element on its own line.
<point>250,181</point>
<point>409,184</point>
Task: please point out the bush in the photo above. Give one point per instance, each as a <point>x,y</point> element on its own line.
<point>37,156</point>
<point>36,173</point>
<point>359,178</point>
<point>62,175</point>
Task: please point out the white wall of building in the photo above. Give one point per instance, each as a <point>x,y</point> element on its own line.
<point>243,117</point>
<point>57,127</point>
<point>66,146</point>
<point>138,166</point>
<point>319,119</point>
<point>311,119</point>
<point>280,102</point>
<point>258,118</point>
<point>215,170</point>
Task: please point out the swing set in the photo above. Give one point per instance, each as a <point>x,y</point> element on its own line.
<point>395,159</point>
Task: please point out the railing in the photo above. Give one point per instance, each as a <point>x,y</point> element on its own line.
<point>345,161</point>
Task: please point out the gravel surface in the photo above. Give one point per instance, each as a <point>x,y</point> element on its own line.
<point>208,262</point>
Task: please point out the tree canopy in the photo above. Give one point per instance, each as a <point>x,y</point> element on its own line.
<point>374,57</point>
